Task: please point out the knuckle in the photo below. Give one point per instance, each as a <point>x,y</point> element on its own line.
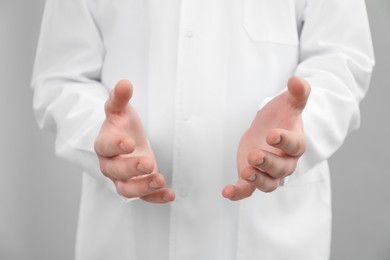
<point>271,186</point>
<point>267,163</point>
<point>119,187</point>
<point>298,149</point>
<point>291,169</point>
<point>123,190</point>
<point>261,180</point>
<point>285,171</point>
<point>97,145</point>
<point>267,183</point>
<point>281,173</point>
<point>303,147</point>
<point>103,169</point>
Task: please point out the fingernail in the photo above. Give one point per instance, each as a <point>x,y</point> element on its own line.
<point>140,167</point>
<point>261,161</point>
<point>277,140</point>
<point>165,199</point>
<point>123,147</point>
<point>251,178</point>
<point>154,185</point>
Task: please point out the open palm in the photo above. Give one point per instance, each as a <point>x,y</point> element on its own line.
<point>269,150</point>
<point>124,153</point>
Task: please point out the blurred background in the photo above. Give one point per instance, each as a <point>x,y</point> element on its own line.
<point>39,193</point>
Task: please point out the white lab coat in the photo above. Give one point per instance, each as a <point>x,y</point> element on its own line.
<point>200,70</point>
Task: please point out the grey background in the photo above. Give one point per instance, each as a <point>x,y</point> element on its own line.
<point>39,193</point>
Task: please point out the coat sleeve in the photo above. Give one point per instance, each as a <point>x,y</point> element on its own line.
<point>336,58</point>
<point>68,95</point>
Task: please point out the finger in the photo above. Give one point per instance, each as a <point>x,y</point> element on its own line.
<point>163,195</point>
<point>264,182</point>
<point>140,186</point>
<point>276,166</point>
<point>124,167</point>
<point>119,97</point>
<point>299,91</point>
<point>242,189</point>
<point>289,142</point>
<point>108,145</point>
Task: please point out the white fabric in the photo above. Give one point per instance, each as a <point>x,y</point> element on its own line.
<point>200,69</point>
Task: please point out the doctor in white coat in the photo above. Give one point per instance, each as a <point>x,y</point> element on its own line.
<point>214,127</point>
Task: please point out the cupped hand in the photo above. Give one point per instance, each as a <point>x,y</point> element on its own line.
<point>124,153</point>
<point>269,150</point>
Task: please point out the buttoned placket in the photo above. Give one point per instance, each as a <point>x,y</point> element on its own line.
<point>182,117</point>
<point>182,114</point>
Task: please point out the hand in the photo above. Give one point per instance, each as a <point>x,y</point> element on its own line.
<point>269,150</point>
<point>124,152</point>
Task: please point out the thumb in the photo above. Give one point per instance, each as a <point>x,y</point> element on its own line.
<point>298,91</point>
<point>119,97</point>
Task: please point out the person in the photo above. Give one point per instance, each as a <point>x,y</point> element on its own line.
<point>202,128</point>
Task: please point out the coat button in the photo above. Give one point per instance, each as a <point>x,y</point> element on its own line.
<point>189,34</point>
<point>186,117</point>
<point>183,194</point>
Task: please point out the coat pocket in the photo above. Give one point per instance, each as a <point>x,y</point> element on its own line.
<point>287,224</point>
<point>271,21</point>
<point>292,222</point>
